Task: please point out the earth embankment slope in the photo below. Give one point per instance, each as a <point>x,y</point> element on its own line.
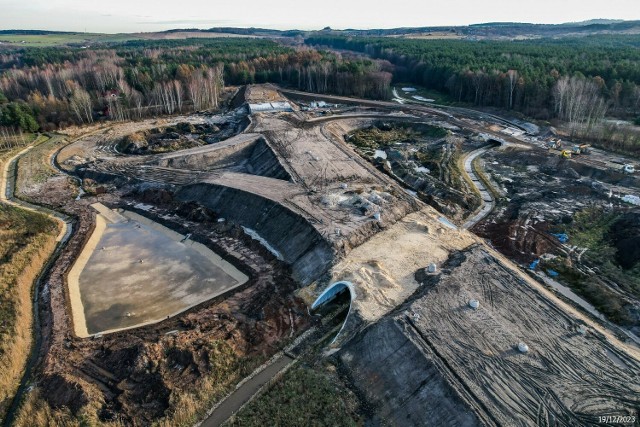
<point>450,346</point>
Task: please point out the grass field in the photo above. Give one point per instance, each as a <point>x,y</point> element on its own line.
<point>47,40</point>
<point>60,39</point>
<point>26,240</point>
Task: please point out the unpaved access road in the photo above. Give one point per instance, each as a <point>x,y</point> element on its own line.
<point>7,186</point>
<point>7,183</point>
<point>488,201</point>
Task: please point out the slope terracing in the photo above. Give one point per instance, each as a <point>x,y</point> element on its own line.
<point>299,187</point>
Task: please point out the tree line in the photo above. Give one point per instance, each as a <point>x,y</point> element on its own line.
<point>528,76</point>
<point>577,80</point>
<point>49,88</point>
<point>98,85</point>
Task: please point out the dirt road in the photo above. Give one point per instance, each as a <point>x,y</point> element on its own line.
<point>488,201</point>
<point>7,184</point>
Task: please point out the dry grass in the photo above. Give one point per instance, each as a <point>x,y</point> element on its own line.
<point>27,239</point>
<point>36,412</point>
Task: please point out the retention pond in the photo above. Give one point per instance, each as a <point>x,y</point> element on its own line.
<point>135,272</point>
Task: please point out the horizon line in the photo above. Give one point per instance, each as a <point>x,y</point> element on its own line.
<point>613,20</point>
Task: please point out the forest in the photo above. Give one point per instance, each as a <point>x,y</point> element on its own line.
<point>577,80</point>
<point>522,75</point>
<point>50,88</point>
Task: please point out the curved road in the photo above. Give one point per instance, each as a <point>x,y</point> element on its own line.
<point>7,183</point>
<point>7,186</point>
<point>465,111</point>
<point>488,201</point>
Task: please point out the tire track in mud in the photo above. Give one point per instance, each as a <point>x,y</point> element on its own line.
<point>540,386</point>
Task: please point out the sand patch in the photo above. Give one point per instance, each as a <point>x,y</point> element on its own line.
<point>382,269</point>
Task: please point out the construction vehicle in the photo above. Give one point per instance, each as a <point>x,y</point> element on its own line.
<point>555,144</point>
<point>629,168</point>
<point>566,154</point>
<point>581,149</point>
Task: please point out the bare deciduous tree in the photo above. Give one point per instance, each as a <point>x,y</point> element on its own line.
<point>512,79</point>
<point>578,101</point>
<point>80,103</point>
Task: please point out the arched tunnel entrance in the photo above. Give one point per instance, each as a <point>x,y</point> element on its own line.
<point>334,304</point>
<point>494,143</point>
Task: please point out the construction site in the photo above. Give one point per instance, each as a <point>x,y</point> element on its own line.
<point>206,251</point>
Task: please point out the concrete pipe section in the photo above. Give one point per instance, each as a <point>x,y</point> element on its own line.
<point>330,294</point>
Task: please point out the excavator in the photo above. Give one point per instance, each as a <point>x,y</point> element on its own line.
<point>555,144</point>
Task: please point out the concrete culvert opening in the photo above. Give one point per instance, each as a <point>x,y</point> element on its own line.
<point>334,305</point>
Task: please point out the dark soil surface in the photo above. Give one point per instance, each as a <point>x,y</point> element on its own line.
<point>137,376</point>
<point>173,138</point>
<point>541,195</point>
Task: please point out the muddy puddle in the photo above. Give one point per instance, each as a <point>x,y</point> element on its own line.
<point>134,272</point>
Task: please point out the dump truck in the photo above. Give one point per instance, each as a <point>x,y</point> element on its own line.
<point>581,149</point>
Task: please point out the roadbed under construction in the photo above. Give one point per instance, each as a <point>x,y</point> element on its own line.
<point>290,204</point>
<point>437,361</point>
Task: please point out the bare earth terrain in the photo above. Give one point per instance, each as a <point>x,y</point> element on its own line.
<point>291,205</point>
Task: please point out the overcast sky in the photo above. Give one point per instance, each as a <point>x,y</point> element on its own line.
<point>113,16</point>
